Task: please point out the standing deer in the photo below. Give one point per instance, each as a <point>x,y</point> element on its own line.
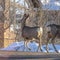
<point>53,31</point>
<point>30,33</point>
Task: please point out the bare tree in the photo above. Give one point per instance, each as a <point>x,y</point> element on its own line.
<point>2,8</point>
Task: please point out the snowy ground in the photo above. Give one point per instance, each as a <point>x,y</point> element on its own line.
<point>19,46</point>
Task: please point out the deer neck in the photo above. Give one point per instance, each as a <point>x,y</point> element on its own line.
<point>22,24</point>
<point>23,21</point>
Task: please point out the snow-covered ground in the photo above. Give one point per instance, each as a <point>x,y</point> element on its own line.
<point>19,46</point>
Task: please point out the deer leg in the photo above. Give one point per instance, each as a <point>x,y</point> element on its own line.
<point>53,43</point>
<point>28,47</point>
<point>54,46</point>
<point>24,44</point>
<point>40,44</point>
<point>47,44</point>
<point>39,47</point>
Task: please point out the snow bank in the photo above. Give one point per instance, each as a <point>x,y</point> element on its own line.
<point>19,46</point>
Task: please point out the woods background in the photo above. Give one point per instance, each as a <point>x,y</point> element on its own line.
<point>37,17</point>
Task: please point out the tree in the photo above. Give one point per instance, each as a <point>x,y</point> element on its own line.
<point>2,8</point>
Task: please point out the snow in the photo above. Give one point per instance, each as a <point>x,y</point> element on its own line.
<point>44,2</point>
<point>51,4</point>
<point>19,46</point>
<point>57,3</point>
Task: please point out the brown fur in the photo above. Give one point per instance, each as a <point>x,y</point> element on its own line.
<point>30,33</point>
<point>53,33</point>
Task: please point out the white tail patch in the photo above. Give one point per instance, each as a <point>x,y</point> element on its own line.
<point>40,31</point>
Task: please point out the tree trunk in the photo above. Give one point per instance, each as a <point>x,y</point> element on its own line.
<point>2,5</point>
<point>35,12</point>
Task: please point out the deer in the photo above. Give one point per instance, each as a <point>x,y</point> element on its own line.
<point>53,31</point>
<point>31,33</point>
